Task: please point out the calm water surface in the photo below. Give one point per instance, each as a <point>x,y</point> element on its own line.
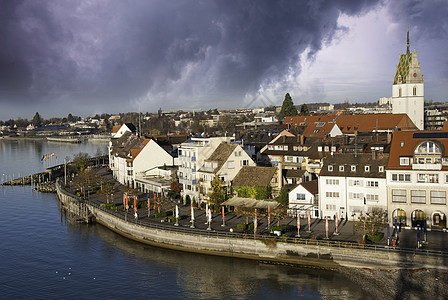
<point>44,256</point>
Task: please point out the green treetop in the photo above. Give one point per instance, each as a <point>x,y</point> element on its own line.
<point>288,108</point>
<point>37,120</point>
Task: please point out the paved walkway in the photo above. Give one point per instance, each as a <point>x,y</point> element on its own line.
<point>437,240</point>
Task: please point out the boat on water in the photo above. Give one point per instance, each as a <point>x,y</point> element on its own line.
<point>64,140</point>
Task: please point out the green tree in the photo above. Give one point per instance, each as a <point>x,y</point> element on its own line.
<point>81,161</point>
<point>288,107</point>
<point>218,194</point>
<point>283,198</point>
<point>37,120</point>
<point>304,110</point>
<point>70,118</point>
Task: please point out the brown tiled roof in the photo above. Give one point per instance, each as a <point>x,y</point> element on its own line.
<point>318,129</point>
<point>221,154</point>
<point>360,160</point>
<point>135,151</point>
<point>404,144</point>
<point>311,186</point>
<point>254,176</point>
<point>372,122</point>
<point>305,120</point>
<point>116,128</point>
<point>289,173</point>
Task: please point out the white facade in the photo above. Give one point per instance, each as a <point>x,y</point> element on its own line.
<point>192,154</point>
<point>408,90</point>
<point>351,196</point>
<point>301,201</point>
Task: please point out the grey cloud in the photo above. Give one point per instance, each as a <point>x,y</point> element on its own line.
<point>106,52</point>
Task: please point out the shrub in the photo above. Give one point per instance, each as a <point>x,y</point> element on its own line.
<point>277,228</point>
<point>158,215</point>
<point>375,238</point>
<point>241,226</point>
<point>250,226</point>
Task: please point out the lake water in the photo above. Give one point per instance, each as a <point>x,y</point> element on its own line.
<point>44,256</point>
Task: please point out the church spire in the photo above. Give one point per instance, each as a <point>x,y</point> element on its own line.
<point>407,48</point>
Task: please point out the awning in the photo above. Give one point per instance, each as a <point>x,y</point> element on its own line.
<point>250,203</point>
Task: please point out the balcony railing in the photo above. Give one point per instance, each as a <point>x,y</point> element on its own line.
<point>426,166</point>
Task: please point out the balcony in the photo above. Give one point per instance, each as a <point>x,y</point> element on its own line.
<point>426,166</point>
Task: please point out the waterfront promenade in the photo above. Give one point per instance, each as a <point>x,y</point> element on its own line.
<point>436,239</point>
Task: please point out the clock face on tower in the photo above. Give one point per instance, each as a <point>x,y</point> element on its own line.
<point>415,74</point>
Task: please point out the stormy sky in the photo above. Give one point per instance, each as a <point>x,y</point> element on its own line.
<point>94,56</point>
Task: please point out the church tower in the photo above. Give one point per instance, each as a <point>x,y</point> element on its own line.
<point>407,89</point>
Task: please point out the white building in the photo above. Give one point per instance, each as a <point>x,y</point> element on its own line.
<point>192,154</point>
<point>225,162</point>
<point>351,184</point>
<point>304,198</point>
<point>417,178</point>
<point>407,89</point>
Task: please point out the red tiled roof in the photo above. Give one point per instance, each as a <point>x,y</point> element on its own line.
<point>404,144</point>
<point>372,122</point>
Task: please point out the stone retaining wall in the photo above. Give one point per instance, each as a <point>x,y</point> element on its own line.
<point>258,249</point>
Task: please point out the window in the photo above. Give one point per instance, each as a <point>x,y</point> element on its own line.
<point>332,181</point>
<point>401,177</point>
<point>341,168</point>
<point>372,183</point>
<point>316,131</point>
<point>414,91</point>
<point>381,169</point>
<point>398,195</point>
<point>404,161</point>
<point>130,172</point>
<point>418,196</point>
<point>355,195</point>
<point>401,144</point>
<point>438,197</point>
<point>330,206</point>
<point>333,148</point>
<point>355,182</point>
<point>300,196</point>
<point>230,164</point>
<point>327,148</point>
<point>129,164</point>
<point>372,197</point>
<point>332,194</point>
<point>353,168</point>
<point>237,153</point>
<point>428,148</point>
<point>330,168</point>
<point>428,178</point>
<point>366,168</point>
<point>244,162</point>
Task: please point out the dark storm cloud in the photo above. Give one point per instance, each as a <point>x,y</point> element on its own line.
<point>165,52</point>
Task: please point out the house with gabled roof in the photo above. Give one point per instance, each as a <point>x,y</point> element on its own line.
<point>417,178</point>
<point>303,198</point>
<point>259,176</point>
<point>322,129</point>
<point>225,163</point>
<point>130,155</point>
<point>351,184</point>
<point>118,131</point>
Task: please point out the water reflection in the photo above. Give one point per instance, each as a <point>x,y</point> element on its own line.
<point>206,277</point>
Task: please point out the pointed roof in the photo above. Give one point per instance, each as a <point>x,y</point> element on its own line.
<point>254,176</point>
<point>221,154</point>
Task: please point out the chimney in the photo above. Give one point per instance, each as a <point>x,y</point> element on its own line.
<point>389,137</point>
<point>301,139</point>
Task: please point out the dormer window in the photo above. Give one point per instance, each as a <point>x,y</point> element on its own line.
<point>327,148</point>
<point>366,168</point>
<point>319,148</point>
<point>330,168</point>
<point>341,168</point>
<point>353,168</point>
<point>404,161</point>
<point>401,144</point>
<point>381,169</point>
